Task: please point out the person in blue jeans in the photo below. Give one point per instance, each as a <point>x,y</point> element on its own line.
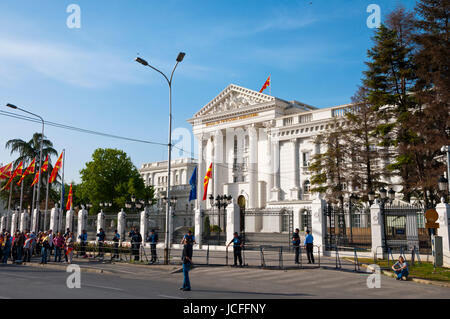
<point>309,243</point>
<point>187,263</point>
<point>401,269</point>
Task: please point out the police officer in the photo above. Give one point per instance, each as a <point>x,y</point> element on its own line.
<point>237,248</point>
<point>189,237</point>
<point>153,239</point>
<point>101,241</point>
<point>136,241</point>
<point>296,244</point>
<point>116,240</point>
<point>309,243</point>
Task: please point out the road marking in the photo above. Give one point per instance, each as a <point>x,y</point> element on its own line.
<point>103,287</point>
<point>171,297</point>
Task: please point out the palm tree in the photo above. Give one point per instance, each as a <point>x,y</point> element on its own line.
<point>27,152</point>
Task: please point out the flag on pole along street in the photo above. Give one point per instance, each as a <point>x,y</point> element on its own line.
<point>29,170</point>
<point>56,169</point>
<point>69,199</point>
<point>193,183</point>
<point>36,179</point>
<point>17,172</point>
<point>5,171</point>
<point>45,165</point>
<point>206,181</point>
<point>266,84</point>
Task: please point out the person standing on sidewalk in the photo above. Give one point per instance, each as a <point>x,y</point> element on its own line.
<point>7,243</point>
<point>153,239</point>
<point>116,240</point>
<point>237,248</point>
<point>101,241</point>
<point>136,241</point>
<point>44,241</point>
<point>296,244</point>
<point>83,241</point>
<point>186,259</point>
<point>69,248</point>
<point>27,248</point>
<point>309,243</point>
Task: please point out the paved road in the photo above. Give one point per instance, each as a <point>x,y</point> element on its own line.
<point>132,281</point>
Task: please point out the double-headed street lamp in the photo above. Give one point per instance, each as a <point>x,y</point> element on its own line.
<point>169,82</point>
<point>219,202</point>
<point>40,153</point>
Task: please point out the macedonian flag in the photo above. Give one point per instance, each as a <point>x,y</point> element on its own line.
<point>69,199</point>
<point>56,168</point>
<point>29,170</point>
<point>266,84</point>
<point>17,172</point>
<point>45,165</point>
<point>36,179</point>
<point>206,181</point>
<point>5,171</point>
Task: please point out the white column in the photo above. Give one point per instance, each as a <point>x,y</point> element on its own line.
<point>198,226</point>
<point>217,162</point>
<point>275,169</point>
<point>69,219</point>
<point>54,219</point>
<point>295,190</point>
<point>121,224</point>
<point>230,153</point>
<point>14,220</point>
<point>377,224</point>
<point>233,220</point>
<point>3,223</point>
<point>82,220</point>
<point>100,220</point>
<point>143,223</point>
<point>443,211</point>
<point>318,223</point>
<point>253,167</point>
<point>24,220</point>
<point>34,221</point>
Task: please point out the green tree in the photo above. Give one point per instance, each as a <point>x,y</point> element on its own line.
<point>111,177</point>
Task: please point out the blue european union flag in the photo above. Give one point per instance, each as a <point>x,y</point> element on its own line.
<point>193,183</point>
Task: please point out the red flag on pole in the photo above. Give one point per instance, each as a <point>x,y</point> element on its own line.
<point>5,171</point>
<point>56,168</point>
<point>36,179</point>
<point>206,181</point>
<point>29,170</point>
<point>69,198</point>
<point>266,84</point>
<point>45,165</point>
<point>17,172</point>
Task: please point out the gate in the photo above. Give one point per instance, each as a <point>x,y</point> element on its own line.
<point>182,222</point>
<point>348,227</point>
<point>157,221</point>
<point>214,227</point>
<point>273,227</point>
<point>110,226</point>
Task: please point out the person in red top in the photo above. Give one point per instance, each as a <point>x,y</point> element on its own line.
<point>58,242</point>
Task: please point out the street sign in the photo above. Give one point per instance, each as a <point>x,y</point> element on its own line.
<point>431,216</point>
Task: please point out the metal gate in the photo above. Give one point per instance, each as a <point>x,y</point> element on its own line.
<point>182,222</point>
<point>214,222</point>
<point>347,227</point>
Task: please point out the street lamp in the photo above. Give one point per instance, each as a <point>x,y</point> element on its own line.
<point>220,201</point>
<point>40,156</point>
<point>180,58</point>
<point>442,183</point>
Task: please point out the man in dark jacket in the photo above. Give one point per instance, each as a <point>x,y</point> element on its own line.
<point>136,241</point>
<point>153,239</point>
<point>296,244</point>
<point>186,258</point>
<point>101,240</point>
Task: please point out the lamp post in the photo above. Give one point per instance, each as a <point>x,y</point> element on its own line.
<point>443,185</point>
<point>446,149</point>
<point>40,154</point>
<point>169,82</point>
<point>220,201</point>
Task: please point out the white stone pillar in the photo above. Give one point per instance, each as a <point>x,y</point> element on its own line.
<point>230,153</point>
<point>295,190</point>
<point>443,211</point>
<point>144,225</point>
<point>54,214</point>
<point>198,226</point>
<point>377,225</point>
<point>318,223</point>
<point>121,223</point>
<point>14,222</point>
<point>253,167</point>
<point>69,219</point>
<point>82,220</point>
<point>217,163</point>
<point>100,220</point>
<point>24,221</point>
<point>233,220</point>
<point>275,170</point>
<point>3,223</point>
<point>35,221</point>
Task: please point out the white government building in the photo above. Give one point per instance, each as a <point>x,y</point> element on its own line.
<point>260,147</point>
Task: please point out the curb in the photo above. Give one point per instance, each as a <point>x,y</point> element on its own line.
<point>413,279</point>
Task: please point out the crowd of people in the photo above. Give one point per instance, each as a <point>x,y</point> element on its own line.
<point>22,245</point>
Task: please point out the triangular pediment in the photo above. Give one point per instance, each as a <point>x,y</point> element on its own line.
<point>231,98</point>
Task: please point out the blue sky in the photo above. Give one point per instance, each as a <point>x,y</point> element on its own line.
<point>314,51</point>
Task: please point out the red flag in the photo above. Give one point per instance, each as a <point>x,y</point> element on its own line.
<point>69,199</point>
<point>206,181</point>
<point>45,165</point>
<point>56,168</point>
<point>36,179</point>
<point>17,171</point>
<point>266,84</point>
<point>28,171</point>
<point>5,171</point>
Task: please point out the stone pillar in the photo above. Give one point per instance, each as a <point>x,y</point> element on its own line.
<point>377,229</point>
<point>100,220</point>
<point>275,170</point>
<point>24,221</point>
<point>443,211</point>
<point>253,167</point>
<point>144,225</point>
<point>35,221</point>
<point>318,223</point>
<point>198,226</point>
<point>295,191</point>
<point>14,222</point>
<point>54,214</point>
<point>3,223</point>
<point>233,220</point>
<point>82,220</point>
<point>69,219</point>
<point>217,163</point>
<point>121,223</point>
<point>230,153</point>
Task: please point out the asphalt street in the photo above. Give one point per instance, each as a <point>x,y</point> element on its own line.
<point>132,281</point>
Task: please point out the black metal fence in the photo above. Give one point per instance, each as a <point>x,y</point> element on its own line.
<point>214,227</point>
